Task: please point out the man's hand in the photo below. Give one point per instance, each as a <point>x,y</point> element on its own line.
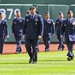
<point>39,37</point>
<point>7,36</point>
<point>61,36</point>
<point>23,36</point>
<point>52,34</point>
<point>12,34</point>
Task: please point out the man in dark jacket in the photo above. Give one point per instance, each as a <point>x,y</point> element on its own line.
<point>33,29</point>
<point>17,30</point>
<point>68,28</point>
<point>3,31</point>
<point>58,26</point>
<point>49,29</point>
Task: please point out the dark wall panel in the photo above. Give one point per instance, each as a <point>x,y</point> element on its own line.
<point>55,9</point>
<point>42,9</point>
<point>38,2</point>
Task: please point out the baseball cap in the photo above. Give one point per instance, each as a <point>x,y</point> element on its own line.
<point>17,10</point>
<point>60,13</point>
<point>33,7</point>
<point>47,12</point>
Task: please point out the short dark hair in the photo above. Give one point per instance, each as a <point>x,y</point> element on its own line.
<point>69,12</point>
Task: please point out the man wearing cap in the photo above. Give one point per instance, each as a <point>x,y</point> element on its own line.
<point>17,30</point>
<point>3,31</point>
<point>28,12</point>
<point>49,29</point>
<point>58,25</point>
<point>33,29</point>
<point>68,28</point>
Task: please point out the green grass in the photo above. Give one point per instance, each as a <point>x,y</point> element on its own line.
<point>49,63</point>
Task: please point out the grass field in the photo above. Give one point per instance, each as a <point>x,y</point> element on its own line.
<point>49,63</point>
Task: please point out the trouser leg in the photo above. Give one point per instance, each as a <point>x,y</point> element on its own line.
<point>34,46</point>
<point>70,49</point>
<point>61,46</point>
<point>28,47</point>
<point>18,41</point>
<point>44,40</point>
<point>47,43</point>
<point>1,43</point>
<point>69,44</point>
<point>37,46</point>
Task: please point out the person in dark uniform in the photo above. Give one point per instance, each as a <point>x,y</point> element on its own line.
<point>17,30</point>
<point>33,29</point>
<point>3,31</point>
<point>49,29</point>
<point>58,25</point>
<point>28,12</point>
<point>68,28</point>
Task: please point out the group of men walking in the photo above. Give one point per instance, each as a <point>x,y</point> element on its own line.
<point>34,27</point>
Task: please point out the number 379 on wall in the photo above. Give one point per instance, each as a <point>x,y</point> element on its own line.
<point>10,10</point>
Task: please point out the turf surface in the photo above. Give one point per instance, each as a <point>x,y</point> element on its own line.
<point>49,63</point>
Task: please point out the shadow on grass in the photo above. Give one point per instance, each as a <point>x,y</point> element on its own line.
<point>28,63</point>
<point>53,60</point>
<point>14,63</point>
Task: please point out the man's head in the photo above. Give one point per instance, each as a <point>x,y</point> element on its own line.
<point>32,10</point>
<point>47,16</point>
<point>18,13</point>
<point>1,15</point>
<point>61,15</point>
<point>28,12</point>
<point>70,14</point>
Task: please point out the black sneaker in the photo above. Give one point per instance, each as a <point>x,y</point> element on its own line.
<point>46,50</point>
<point>18,52</point>
<point>31,60</point>
<point>70,58</point>
<point>59,49</point>
<point>34,62</point>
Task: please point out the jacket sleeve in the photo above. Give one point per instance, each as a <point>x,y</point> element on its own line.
<point>41,25</point>
<point>13,30</point>
<point>6,28</point>
<point>62,28</point>
<point>56,26</point>
<point>23,19</point>
<point>53,27</point>
<point>24,26</point>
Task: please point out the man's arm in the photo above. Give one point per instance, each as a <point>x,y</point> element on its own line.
<point>56,26</point>
<point>24,26</point>
<point>41,26</point>
<point>53,27</point>
<point>6,30</point>
<point>13,30</point>
<point>62,30</point>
